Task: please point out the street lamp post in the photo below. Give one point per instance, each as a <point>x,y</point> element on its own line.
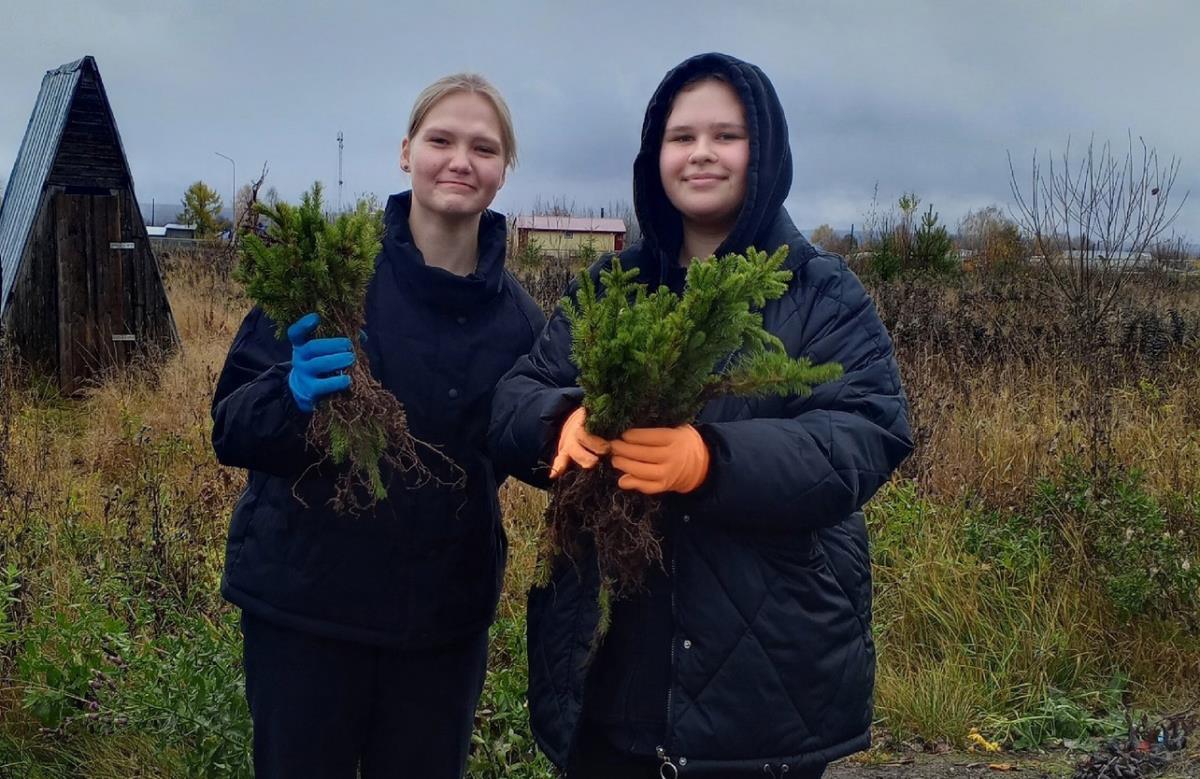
<point>233,202</point>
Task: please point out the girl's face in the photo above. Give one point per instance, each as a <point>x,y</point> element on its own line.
<point>705,153</point>
<point>456,158</point>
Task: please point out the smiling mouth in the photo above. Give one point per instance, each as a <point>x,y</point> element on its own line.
<point>462,184</point>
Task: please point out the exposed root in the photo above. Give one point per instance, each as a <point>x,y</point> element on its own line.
<point>367,427</point>
<point>363,431</point>
<point>621,524</point>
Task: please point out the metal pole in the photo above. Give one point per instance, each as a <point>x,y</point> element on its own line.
<point>233,202</point>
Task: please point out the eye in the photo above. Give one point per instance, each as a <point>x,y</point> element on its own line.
<point>437,140</point>
<point>729,136</point>
<point>681,138</point>
<point>487,150</point>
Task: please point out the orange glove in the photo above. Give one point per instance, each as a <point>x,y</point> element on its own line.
<point>661,459</point>
<point>577,445</point>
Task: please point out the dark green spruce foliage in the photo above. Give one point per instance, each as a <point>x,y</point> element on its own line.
<point>654,359</point>
<point>309,264</point>
<point>933,249</point>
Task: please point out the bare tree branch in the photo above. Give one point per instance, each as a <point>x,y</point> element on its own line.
<point>1093,220</point>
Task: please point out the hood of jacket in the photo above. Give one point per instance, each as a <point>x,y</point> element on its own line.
<point>769,173</point>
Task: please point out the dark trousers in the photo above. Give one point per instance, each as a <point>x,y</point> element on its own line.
<point>595,758</point>
<point>327,709</point>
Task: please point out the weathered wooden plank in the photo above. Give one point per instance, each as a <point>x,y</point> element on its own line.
<point>110,312</point>
<point>136,289</point>
<point>82,170</point>
<point>31,318</point>
<point>88,177</point>
<point>74,340</point>
<point>83,160</point>
<point>80,175</point>
<point>84,128</point>
<point>80,154</point>
<point>105,180</point>
<point>147,302</point>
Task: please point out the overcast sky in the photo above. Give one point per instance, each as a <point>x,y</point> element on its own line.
<point>922,96</point>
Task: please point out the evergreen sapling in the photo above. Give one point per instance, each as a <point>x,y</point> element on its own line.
<point>654,360</point>
<point>302,263</point>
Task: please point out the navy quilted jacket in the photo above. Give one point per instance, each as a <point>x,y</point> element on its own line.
<point>423,567</point>
<point>766,600</point>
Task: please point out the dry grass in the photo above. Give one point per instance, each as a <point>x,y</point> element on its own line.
<point>999,399</point>
<point>1005,395</point>
<point>995,430</point>
<point>523,509</point>
<point>1002,389</point>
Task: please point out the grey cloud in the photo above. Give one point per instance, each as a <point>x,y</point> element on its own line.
<point>926,96</point>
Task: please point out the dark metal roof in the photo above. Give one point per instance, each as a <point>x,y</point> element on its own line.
<point>34,161</point>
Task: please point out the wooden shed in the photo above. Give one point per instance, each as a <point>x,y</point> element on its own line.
<point>82,290</point>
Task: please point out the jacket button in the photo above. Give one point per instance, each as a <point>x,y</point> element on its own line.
<point>462,320</point>
<point>453,393</point>
<point>683,761</point>
<point>687,643</point>
<point>687,517</point>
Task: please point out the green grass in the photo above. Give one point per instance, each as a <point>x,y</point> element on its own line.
<point>1000,620</point>
<point>1031,609</point>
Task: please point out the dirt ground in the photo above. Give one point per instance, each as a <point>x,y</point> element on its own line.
<point>1017,765</point>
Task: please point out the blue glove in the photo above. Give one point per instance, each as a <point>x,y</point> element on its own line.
<point>317,364</point>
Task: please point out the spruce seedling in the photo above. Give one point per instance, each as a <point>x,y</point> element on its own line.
<point>302,263</point>
<point>653,359</point>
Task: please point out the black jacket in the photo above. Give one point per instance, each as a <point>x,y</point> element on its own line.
<point>767,595</point>
<point>425,565</point>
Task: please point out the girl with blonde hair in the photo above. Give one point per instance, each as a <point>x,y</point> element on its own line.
<point>366,636</point>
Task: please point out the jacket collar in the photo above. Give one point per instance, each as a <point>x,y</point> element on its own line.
<point>437,287</point>
<point>659,267</point>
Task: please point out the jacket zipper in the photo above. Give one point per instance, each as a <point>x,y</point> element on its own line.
<point>662,753</point>
<point>668,769</point>
<point>674,624</point>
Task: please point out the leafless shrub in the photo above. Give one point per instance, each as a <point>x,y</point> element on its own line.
<point>1091,221</point>
<point>547,283</point>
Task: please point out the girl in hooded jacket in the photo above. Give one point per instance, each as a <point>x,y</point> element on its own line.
<point>366,636</point>
<point>750,651</point>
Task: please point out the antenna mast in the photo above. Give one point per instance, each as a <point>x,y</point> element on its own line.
<point>339,171</point>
